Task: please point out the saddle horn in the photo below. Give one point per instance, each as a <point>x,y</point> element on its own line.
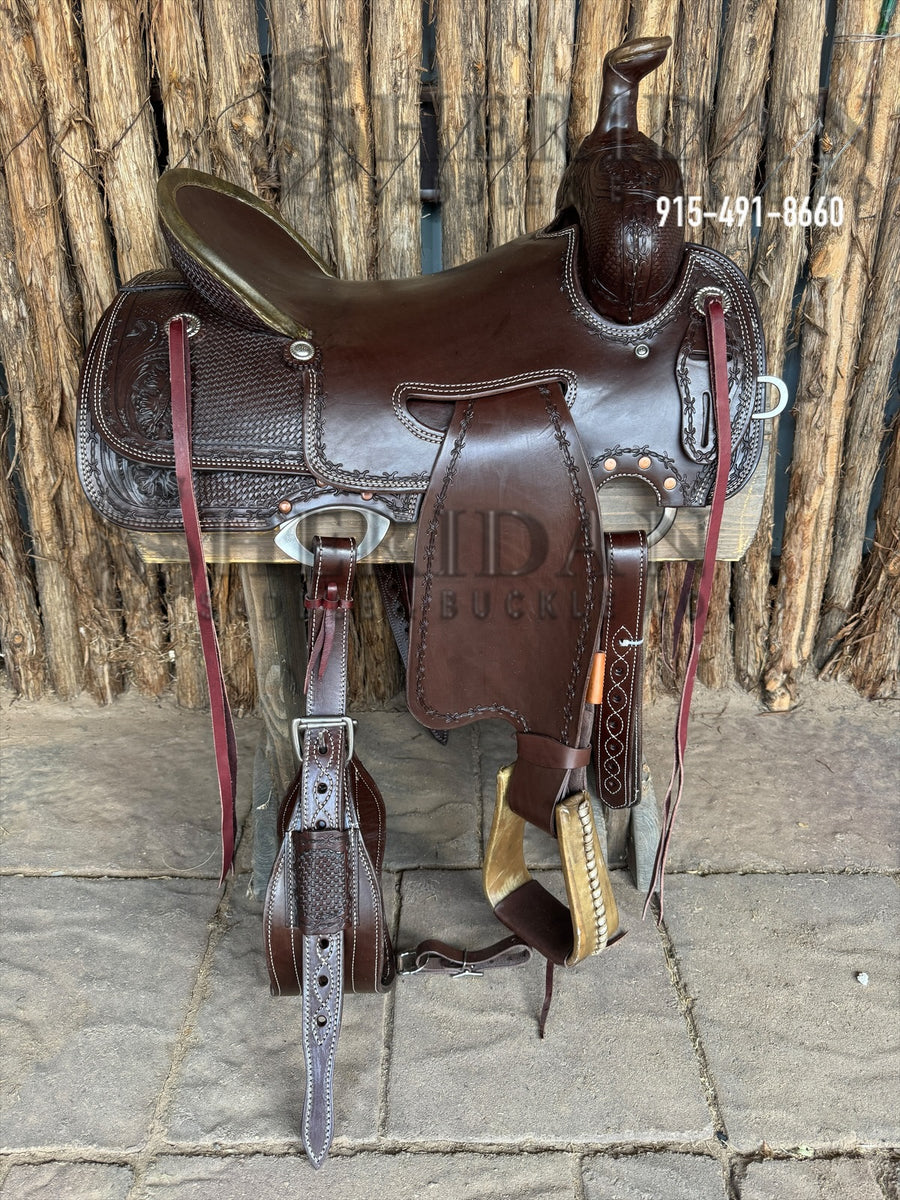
<point>628,262</point>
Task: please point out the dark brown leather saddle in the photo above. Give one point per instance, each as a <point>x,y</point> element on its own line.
<point>489,403</point>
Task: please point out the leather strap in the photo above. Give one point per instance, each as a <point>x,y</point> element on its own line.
<point>718,365</point>
<point>617,718</point>
<point>220,711</point>
<point>317,830</point>
<point>433,956</point>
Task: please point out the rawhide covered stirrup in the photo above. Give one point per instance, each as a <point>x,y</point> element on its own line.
<point>323,920</point>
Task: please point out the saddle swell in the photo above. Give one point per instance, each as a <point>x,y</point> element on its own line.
<point>628,261</point>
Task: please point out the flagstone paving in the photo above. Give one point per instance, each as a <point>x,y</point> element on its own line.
<point>744,1049</point>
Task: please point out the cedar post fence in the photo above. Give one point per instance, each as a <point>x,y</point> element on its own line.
<point>315,105</point>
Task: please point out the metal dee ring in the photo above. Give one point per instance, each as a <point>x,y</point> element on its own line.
<point>662,526</point>
<point>192,322</point>
<point>781,387</point>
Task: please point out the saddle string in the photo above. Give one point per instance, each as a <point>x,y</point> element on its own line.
<point>224,741</point>
<point>718,349</point>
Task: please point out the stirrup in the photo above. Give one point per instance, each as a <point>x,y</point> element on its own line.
<point>592,906</point>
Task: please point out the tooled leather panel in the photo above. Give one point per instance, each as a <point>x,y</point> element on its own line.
<point>143,496</point>
<point>247,390</point>
<point>319,863</point>
<point>617,718</point>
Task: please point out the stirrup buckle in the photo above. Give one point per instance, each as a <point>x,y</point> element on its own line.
<point>306,723</point>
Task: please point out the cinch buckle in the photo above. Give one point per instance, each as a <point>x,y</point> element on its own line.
<point>288,540</point>
<point>306,723</point>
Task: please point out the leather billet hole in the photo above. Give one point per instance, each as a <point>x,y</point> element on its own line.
<point>323,981</point>
<point>321,787</point>
<point>321,1020</point>
<point>324,943</point>
<point>321,825</point>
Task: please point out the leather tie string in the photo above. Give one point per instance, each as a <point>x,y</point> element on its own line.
<point>326,609</point>
<point>220,711</point>
<point>718,362</point>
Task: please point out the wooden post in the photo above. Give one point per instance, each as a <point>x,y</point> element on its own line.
<point>873,645</point>
<point>865,423</point>
<point>781,249</point>
<point>838,267</point>
<point>461,54</point>
<point>176,40</point>
<point>552,42</point>
<point>508,86</point>
<point>39,343</point>
<point>235,94</point>
<point>655,18</point>
<point>299,117</point>
<point>601,27</point>
<point>396,63</point>
<point>21,632</point>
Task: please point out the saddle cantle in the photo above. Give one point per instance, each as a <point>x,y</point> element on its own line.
<point>490,403</point>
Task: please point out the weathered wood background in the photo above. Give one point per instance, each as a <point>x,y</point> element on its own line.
<point>315,104</point>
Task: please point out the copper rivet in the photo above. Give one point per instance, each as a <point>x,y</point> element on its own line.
<point>644,463</point>
<point>609,465</point>
<point>367,495</point>
<point>284,506</point>
<point>669,483</point>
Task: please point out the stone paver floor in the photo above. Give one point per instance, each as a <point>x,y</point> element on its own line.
<point>746,1049</point>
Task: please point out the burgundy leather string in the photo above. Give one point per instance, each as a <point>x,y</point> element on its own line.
<point>222,723</point>
<point>718,365</point>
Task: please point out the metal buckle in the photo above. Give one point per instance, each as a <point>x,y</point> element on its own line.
<point>306,723</point>
<point>781,388</point>
<point>403,969</point>
<point>377,525</point>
